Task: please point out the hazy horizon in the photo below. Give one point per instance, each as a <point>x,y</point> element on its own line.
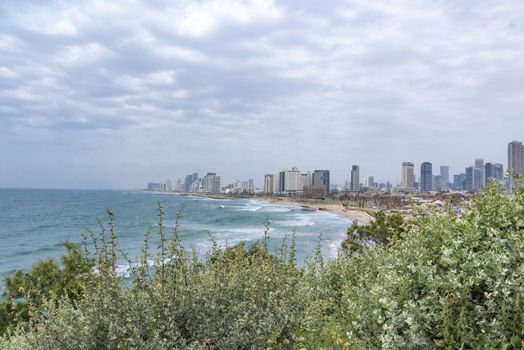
<point>114,95</point>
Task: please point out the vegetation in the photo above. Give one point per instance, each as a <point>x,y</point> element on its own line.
<point>383,230</point>
<point>442,282</point>
<point>46,280</point>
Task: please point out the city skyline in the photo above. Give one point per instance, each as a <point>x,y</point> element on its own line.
<point>472,178</point>
<point>114,94</point>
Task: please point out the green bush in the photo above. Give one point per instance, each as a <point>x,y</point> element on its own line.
<point>442,282</point>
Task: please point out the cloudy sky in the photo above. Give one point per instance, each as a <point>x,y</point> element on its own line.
<point>105,94</point>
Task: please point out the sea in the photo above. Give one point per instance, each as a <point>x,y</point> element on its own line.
<point>34,223</point>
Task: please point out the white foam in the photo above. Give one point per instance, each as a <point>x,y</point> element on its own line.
<point>271,209</point>
<point>299,220</point>
<point>249,208</point>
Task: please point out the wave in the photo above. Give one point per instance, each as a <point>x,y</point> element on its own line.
<point>299,220</point>
<point>250,209</point>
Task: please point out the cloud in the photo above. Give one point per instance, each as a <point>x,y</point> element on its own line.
<point>82,54</point>
<point>160,88</point>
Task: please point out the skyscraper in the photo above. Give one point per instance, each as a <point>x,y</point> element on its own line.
<point>515,162</point>
<point>321,178</point>
<point>477,180</point>
<point>306,179</point>
<point>187,183</point>
<point>282,182</point>
<point>498,171</point>
<point>355,178</point>
<point>469,182</point>
<point>438,183</point>
<point>493,171</point>
<point>426,177</point>
<point>292,181</point>
<point>408,175</point>
<point>479,164</point>
<point>369,182</point>
<point>269,183</point>
<point>211,183</point>
<point>444,173</point>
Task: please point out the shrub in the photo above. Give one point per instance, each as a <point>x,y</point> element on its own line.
<point>442,282</point>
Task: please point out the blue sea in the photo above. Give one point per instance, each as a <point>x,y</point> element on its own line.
<point>35,222</point>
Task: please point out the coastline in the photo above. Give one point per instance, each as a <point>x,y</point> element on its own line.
<point>361,216</point>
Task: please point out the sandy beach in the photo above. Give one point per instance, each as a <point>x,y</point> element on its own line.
<point>354,214</point>
<point>359,215</point>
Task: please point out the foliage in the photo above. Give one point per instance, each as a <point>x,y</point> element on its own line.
<point>46,279</point>
<point>441,282</point>
<point>381,231</point>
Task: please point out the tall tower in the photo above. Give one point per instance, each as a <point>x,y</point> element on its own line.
<point>515,162</point>
<point>444,172</point>
<point>269,183</point>
<point>321,178</point>
<point>479,164</point>
<point>426,177</point>
<point>408,175</point>
<point>355,178</point>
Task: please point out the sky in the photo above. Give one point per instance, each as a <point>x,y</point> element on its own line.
<point>115,94</point>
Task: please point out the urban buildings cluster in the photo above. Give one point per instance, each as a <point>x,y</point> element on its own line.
<point>210,183</point>
<point>317,183</point>
<point>295,182</point>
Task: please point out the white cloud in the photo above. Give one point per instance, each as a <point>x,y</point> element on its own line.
<point>298,82</point>
<point>82,54</point>
<point>54,20</point>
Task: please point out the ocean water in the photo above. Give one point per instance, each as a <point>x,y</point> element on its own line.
<point>34,222</point>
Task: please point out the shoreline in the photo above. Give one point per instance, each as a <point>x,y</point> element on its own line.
<point>359,215</point>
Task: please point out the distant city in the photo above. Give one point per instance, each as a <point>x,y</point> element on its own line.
<point>317,183</point>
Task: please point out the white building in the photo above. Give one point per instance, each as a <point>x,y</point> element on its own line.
<point>269,183</point>
<point>211,183</point>
<point>408,175</point>
<point>369,182</point>
<point>292,181</point>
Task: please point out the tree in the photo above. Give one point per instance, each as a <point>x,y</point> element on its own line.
<point>381,231</point>
<point>46,279</point>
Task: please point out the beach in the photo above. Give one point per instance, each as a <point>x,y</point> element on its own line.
<point>359,215</point>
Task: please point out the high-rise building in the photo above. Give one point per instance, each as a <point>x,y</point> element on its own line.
<point>473,181</point>
<point>426,177</point>
<point>269,183</point>
<point>355,178</point>
<point>493,171</point>
<point>477,180</point>
<point>515,163</point>
<point>444,172</point>
<point>498,171</point>
<point>169,185</point>
<point>179,187</point>
<point>187,183</point>
<point>282,182</point>
<point>195,183</point>
<point>292,181</point>
<point>459,182</point>
<point>321,178</point>
<point>469,182</point>
<point>408,175</point>
<point>211,183</point>
<point>306,179</point>
<point>479,164</point>
<point>438,183</point>
<point>369,182</point>
<point>276,183</point>
<point>251,186</point>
